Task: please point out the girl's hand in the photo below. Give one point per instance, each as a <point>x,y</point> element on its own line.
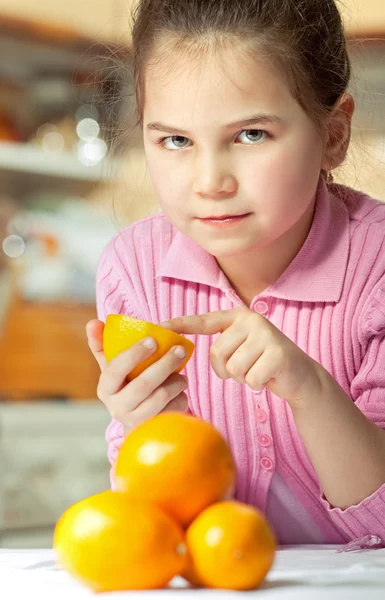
<point>252,350</point>
<point>155,390</point>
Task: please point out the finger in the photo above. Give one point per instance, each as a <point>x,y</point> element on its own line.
<point>263,371</point>
<point>179,404</point>
<point>224,348</point>
<point>166,394</point>
<point>243,359</point>
<point>94,330</point>
<point>205,324</point>
<point>155,375</point>
<point>114,374</point>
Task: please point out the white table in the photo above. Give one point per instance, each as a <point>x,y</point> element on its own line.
<point>302,572</point>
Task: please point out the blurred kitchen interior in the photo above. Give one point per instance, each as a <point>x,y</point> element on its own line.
<point>67,184</point>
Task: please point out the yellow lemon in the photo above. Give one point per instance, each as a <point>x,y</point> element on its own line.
<point>121,332</point>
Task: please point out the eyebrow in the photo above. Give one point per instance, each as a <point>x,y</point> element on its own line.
<point>261,119</point>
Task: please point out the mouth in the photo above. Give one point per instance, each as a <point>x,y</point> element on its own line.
<point>221,217</point>
<point>224,219</point>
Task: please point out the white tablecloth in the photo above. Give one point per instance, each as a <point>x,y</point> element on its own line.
<point>302,572</point>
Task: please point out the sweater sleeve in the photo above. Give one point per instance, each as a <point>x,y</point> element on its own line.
<point>368,392</point>
<point>112,297</point>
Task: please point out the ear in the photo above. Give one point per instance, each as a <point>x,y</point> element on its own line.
<point>338,132</point>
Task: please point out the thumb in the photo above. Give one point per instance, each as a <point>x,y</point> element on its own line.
<point>94,330</point>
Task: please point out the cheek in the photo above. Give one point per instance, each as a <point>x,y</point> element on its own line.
<point>287,178</point>
<point>159,175</point>
<point>169,187</point>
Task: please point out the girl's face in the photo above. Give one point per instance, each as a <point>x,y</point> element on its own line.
<point>225,138</point>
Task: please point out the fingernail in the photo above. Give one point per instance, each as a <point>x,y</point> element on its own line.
<point>180,352</point>
<point>149,343</point>
<point>165,324</point>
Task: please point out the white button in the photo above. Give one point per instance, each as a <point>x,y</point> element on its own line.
<point>261,307</point>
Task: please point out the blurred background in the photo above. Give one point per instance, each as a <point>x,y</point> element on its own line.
<point>67,184</point>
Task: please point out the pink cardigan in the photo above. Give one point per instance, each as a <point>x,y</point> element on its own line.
<point>330,301</point>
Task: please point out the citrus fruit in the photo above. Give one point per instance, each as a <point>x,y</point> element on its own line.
<point>231,546</point>
<point>109,543</point>
<point>121,332</point>
<point>177,461</point>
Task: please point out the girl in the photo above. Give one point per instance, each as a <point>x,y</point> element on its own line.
<point>276,273</point>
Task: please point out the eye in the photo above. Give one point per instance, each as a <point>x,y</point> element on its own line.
<point>252,136</point>
<point>176,142</point>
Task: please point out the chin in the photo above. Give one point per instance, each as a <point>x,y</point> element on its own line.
<point>229,248</point>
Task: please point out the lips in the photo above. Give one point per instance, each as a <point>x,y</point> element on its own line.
<point>223,217</point>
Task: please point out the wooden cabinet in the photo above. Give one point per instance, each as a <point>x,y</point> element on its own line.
<point>44,352</point>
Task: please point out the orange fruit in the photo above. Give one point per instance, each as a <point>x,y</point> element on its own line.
<point>177,461</point>
<point>121,332</point>
<point>110,543</point>
<point>231,545</point>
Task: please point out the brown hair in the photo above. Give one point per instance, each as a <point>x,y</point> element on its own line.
<point>304,37</point>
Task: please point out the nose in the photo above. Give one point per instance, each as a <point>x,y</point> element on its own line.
<point>214,179</point>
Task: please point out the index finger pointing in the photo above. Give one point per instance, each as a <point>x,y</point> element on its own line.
<point>205,324</point>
